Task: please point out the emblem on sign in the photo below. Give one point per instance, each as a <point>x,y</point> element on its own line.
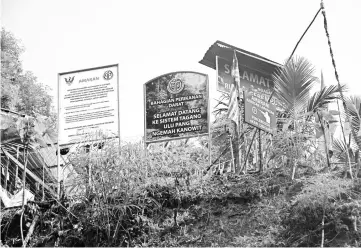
<point>175,86</point>
<point>69,80</point>
<point>108,75</point>
<point>254,110</point>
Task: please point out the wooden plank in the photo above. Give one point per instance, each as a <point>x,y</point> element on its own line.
<point>7,173</point>
<point>37,179</point>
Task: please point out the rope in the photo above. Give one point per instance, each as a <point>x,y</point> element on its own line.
<point>338,81</point>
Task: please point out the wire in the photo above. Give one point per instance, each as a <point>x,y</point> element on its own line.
<point>314,18</point>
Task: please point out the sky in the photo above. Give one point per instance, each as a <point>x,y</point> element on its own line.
<point>151,38</point>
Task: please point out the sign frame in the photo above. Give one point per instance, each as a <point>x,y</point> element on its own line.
<point>147,142</point>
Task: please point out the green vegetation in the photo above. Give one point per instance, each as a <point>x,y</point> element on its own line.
<point>170,196</point>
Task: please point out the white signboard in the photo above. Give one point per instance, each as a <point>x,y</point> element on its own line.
<point>88,102</point>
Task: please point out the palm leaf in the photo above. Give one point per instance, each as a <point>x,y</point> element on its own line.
<point>319,100</point>
<point>353,104</point>
<point>293,83</point>
<point>340,149</point>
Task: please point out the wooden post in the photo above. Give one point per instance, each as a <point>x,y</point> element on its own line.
<point>17,167</point>
<point>240,128</point>
<point>260,150</point>
<point>7,173</point>
<point>249,148</point>
<point>43,198</point>
<point>58,167</point>
<point>230,141</point>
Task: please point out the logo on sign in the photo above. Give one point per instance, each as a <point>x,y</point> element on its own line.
<point>266,116</point>
<point>254,110</point>
<point>175,86</point>
<point>108,75</point>
<point>69,80</point>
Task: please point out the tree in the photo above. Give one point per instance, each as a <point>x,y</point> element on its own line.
<point>20,90</point>
<point>317,107</point>
<point>11,68</point>
<point>293,83</point>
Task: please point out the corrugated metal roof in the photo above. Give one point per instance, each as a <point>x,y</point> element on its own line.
<point>245,58</point>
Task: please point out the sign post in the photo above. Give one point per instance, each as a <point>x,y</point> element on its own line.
<point>176,106</point>
<point>88,103</point>
<point>259,112</point>
<point>250,79</point>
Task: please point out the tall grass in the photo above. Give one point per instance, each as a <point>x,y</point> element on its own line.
<point>123,187</point>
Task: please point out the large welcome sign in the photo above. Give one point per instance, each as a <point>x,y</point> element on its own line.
<point>88,103</point>
<point>250,80</point>
<point>176,106</point>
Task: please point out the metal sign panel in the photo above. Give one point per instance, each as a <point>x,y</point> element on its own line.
<point>224,77</point>
<point>259,112</point>
<point>176,106</point>
<point>250,80</point>
<point>88,102</point>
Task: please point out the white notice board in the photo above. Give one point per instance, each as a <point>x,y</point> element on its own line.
<point>87,103</point>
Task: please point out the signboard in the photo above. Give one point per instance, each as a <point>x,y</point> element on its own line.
<point>88,103</point>
<point>250,79</point>
<point>259,112</point>
<point>176,106</point>
<point>224,76</point>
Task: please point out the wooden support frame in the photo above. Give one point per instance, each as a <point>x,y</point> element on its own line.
<point>31,174</point>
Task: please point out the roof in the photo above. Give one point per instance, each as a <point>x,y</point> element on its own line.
<point>245,58</point>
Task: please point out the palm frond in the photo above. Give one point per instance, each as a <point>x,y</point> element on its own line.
<point>353,104</point>
<point>293,83</point>
<point>340,149</point>
<point>322,98</point>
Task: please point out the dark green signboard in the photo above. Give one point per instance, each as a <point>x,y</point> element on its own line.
<point>250,79</point>
<point>176,106</point>
<point>258,111</point>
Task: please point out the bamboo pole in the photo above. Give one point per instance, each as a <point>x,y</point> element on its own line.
<point>339,86</point>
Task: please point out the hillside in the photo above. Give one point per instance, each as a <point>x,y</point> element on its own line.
<point>135,200</point>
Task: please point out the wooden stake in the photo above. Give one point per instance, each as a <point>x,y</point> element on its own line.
<point>230,141</point>
<point>17,167</point>
<point>260,150</point>
<point>249,148</point>
<point>7,173</point>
